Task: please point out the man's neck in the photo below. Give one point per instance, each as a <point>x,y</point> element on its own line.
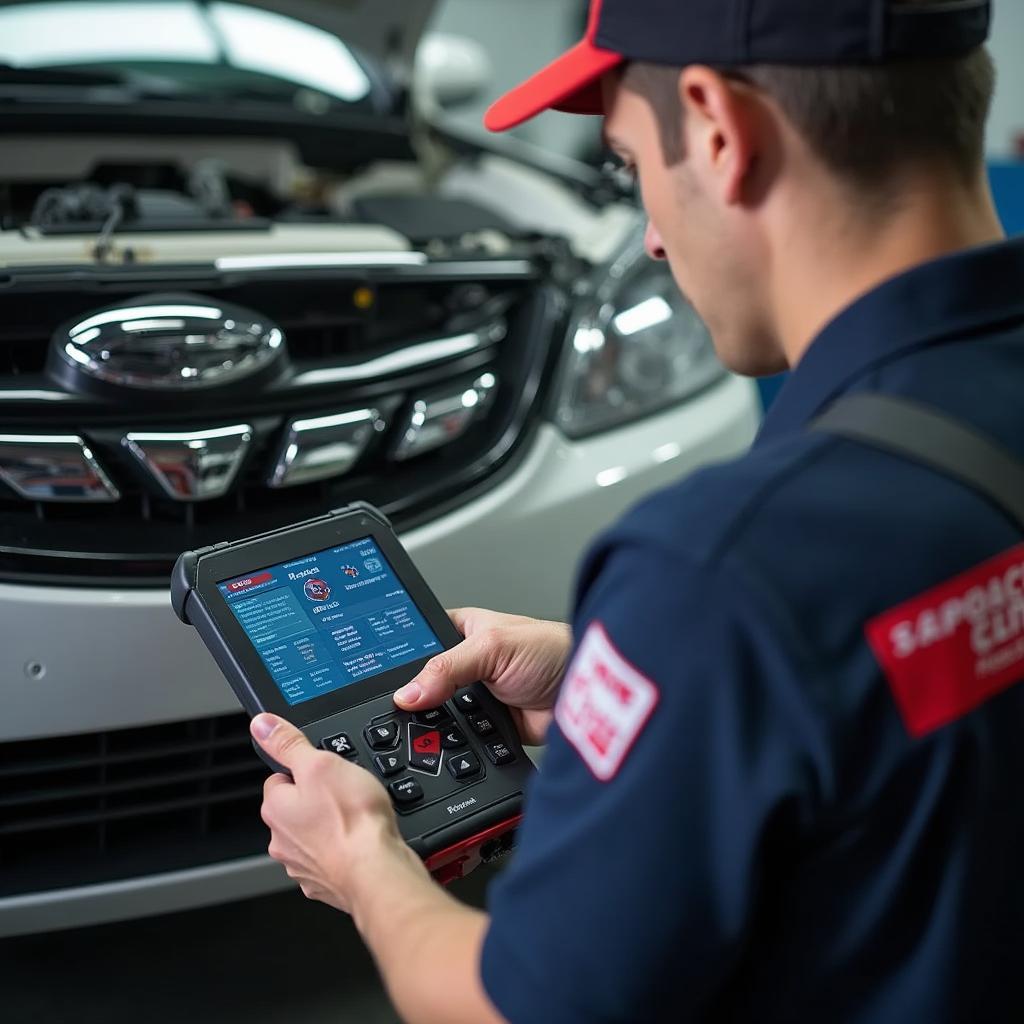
<point>849,255</point>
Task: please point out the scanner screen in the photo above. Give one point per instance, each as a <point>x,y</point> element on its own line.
<point>329,619</point>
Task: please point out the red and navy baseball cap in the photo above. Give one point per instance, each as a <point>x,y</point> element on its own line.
<point>734,33</point>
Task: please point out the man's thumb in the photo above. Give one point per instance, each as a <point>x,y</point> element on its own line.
<point>441,677</point>
<point>280,739</point>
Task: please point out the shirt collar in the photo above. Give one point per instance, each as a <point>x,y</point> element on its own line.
<point>956,295</point>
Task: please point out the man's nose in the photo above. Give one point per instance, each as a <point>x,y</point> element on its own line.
<point>653,244</point>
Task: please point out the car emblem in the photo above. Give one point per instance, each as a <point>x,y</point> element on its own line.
<point>168,343</point>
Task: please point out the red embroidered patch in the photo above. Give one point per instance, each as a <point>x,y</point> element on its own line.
<point>604,703</point>
<point>955,646</point>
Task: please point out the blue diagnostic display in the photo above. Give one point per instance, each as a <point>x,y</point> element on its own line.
<point>330,619</point>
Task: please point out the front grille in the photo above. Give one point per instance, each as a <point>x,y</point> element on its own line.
<point>19,356</point>
<point>84,809</point>
<point>135,539</point>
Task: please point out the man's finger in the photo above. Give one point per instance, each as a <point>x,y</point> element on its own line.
<point>442,676</point>
<point>281,740</point>
<point>273,781</point>
<point>460,618</point>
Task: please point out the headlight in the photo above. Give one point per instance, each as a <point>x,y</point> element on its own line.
<point>636,346</point>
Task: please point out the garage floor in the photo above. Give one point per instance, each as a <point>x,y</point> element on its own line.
<point>274,960</point>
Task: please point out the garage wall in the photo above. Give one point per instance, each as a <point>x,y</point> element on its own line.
<point>520,36</point>
<point>1007,121</point>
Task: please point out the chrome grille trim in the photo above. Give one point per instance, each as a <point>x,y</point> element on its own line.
<point>325,447</point>
<point>33,395</point>
<point>192,466</point>
<point>43,467</point>
<point>318,260</point>
<point>444,417</point>
<point>416,357</point>
<point>486,270</point>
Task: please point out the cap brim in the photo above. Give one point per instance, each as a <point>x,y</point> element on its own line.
<point>571,83</point>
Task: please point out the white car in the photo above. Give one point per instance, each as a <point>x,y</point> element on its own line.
<point>246,275</point>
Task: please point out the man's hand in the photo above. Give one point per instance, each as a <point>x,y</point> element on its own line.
<point>520,659</point>
<point>330,823</point>
<point>334,831</point>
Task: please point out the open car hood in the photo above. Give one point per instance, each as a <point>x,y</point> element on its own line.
<point>389,30</point>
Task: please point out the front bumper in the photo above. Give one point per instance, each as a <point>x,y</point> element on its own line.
<point>77,660</point>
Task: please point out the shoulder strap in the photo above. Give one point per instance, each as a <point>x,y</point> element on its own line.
<point>930,437</point>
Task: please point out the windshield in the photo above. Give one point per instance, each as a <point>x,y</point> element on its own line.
<point>228,49</point>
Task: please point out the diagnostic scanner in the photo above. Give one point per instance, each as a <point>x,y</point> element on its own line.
<point>320,623</point>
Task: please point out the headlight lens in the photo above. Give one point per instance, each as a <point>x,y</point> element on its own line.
<point>636,346</point>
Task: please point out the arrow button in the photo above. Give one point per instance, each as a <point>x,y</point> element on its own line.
<point>464,766</point>
<point>453,739</point>
<point>388,764</point>
<point>465,700</point>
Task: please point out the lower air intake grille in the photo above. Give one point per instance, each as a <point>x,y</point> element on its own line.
<point>78,810</point>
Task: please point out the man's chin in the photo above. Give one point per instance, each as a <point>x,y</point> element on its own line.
<point>751,360</point>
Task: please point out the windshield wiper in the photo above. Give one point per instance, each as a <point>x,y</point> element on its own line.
<point>57,76</point>
<point>86,84</point>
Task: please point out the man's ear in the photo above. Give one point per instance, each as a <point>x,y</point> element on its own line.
<point>721,128</point>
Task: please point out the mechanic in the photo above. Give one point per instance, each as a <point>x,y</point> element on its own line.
<point>782,782</point>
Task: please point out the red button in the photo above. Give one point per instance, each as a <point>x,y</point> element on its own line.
<point>250,581</point>
<point>429,743</point>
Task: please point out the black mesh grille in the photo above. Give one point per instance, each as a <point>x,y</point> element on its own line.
<point>82,809</point>
<point>19,357</point>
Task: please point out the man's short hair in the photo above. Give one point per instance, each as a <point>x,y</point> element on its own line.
<point>866,123</point>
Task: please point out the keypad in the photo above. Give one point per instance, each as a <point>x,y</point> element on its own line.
<point>410,752</point>
<point>340,744</point>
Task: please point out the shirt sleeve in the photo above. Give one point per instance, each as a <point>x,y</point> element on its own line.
<point>675,762</point>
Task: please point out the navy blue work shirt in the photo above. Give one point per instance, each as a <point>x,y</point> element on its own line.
<point>748,811</point>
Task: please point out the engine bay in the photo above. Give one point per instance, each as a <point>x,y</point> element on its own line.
<point>78,195</point>
<point>73,181</point>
